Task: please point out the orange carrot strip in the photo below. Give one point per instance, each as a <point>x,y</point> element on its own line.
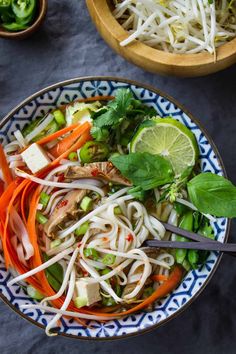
<point>159,277</point>
<point>65,144</point>
<point>65,130</point>
<point>1,187</point>
<point>4,167</point>
<point>80,142</point>
<point>57,134</point>
<point>9,207</point>
<point>23,203</point>
<point>169,285</point>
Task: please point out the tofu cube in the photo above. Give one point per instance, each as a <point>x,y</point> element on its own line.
<point>35,158</point>
<point>88,289</point>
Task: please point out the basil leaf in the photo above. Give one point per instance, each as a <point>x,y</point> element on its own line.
<point>144,169</point>
<point>213,194</point>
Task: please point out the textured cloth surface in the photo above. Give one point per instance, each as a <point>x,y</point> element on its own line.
<point>68,46</point>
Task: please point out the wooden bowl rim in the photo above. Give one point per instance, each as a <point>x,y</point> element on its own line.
<point>143,51</point>
<point>32,28</point>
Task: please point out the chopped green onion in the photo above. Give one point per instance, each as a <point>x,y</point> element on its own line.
<point>80,301</point>
<point>44,199</point>
<point>41,218</point>
<point>109,259</point>
<point>59,117</point>
<point>86,204</point>
<point>148,292</point>
<point>117,210</point>
<point>105,271</point>
<point>92,253</point>
<point>82,229</point>
<point>34,293</point>
<point>73,156</point>
<point>55,243</point>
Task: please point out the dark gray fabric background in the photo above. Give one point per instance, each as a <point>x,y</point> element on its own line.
<point>68,46</point>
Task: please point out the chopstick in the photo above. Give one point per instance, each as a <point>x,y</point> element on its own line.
<point>202,243</point>
<point>188,234</point>
<point>206,246</point>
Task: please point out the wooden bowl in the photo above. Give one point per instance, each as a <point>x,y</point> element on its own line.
<point>157,61</point>
<point>41,13</point>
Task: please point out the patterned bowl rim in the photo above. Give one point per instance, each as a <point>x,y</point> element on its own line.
<point>199,125</point>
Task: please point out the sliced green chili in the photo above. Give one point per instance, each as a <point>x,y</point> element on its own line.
<point>73,156</point>
<point>93,151</point>
<point>23,8</point>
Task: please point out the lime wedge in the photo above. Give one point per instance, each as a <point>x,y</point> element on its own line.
<point>169,138</point>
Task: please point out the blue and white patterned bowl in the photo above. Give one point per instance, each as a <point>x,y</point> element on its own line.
<point>193,283</point>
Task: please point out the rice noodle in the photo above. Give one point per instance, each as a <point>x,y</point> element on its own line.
<point>66,313</point>
<point>19,137</point>
<point>26,250</point>
<point>41,267</point>
<point>65,278</point>
<point>73,185</point>
<point>66,303</point>
<point>191,206</point>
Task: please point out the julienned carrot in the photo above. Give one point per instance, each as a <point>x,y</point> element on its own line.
<point>169,285</point>
<point>65,130</point>
<point>23,203</point>
<point>36,261</point>
<point>159,277</point>
<point>8,208</point>
<point>4,167</point>
<point>65,144</point>
<point>57,134</point>
<point>77,145</point>
<point>1,187</point>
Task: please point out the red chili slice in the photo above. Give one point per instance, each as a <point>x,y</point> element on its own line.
<point>62,204</point>
<point>130,237</point>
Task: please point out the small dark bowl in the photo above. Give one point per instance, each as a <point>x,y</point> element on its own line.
<point>41,13</point>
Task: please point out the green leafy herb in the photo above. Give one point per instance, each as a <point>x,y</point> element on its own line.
<point>100,134</point>
<point>117,122</point>
<point>213,194</point>
<point>144,169</point>
<point>117,109</point>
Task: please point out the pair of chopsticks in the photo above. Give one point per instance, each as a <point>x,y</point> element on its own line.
<point>200,242</point>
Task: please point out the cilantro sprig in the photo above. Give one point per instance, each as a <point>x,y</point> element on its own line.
<point>118,120</point>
